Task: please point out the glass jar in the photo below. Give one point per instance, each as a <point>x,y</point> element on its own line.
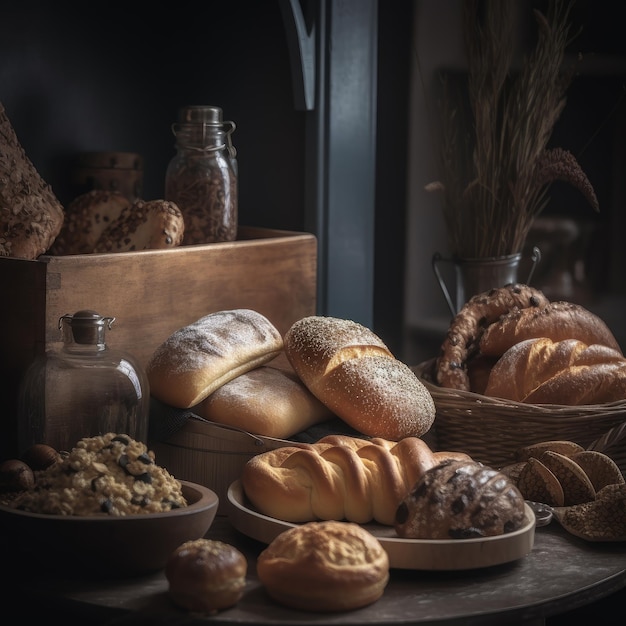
<point>202,177</point>
<point>83,389</point>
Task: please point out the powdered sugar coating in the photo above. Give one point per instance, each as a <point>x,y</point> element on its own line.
<point>199,358</point>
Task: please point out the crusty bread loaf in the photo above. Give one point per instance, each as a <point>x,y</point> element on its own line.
<point>462,339</point>
<point>86,218</point>
<point>568,372</point>
<point>31,216</point>
<point>349,368</point>
<point>556,320</point>
<point>206,576</point>
<point>199,358</point>
<point>265,401</point>
<point>460,500</point>
<point>324,566</point>
<point>152,225</point>
<point>338,478</point>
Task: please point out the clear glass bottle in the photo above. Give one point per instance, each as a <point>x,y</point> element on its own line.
<point>83,389</point>
<point>202,177</point>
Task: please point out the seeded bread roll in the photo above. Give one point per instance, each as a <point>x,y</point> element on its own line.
<point>86,218</point>
<point>265,401</point>
<point>206,576</point>
<point>199,358</point>
<point>351,370</point>
<point>324,566</point>
<point>152,225</point>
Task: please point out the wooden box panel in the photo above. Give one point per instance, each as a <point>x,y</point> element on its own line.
<point>151,294</point>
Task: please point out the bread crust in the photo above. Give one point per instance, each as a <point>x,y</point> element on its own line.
<point>206,576</point>
<point>338,478</point>
<point>266,401</point>
<point>197,359</point>
<point>466,329</point>
<point>568,372</point>
<point>349,368</point>
<point>556,320</point>
<point>460,500</point>
<point>324,566</point>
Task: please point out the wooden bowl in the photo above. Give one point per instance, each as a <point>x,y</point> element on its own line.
<point>104,546</point>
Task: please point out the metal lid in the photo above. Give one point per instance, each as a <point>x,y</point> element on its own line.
<point>85,326</point>
<point>200,114</point>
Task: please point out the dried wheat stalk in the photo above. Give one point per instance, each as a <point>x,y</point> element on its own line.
<point>497,168</point>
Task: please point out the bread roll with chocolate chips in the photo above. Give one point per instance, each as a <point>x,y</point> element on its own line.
<point>349,368</point>
<point>324,566</point>
<point>199,358</point>
<point>460,500</point>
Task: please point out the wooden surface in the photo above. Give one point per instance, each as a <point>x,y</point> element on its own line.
<point>560,574</point>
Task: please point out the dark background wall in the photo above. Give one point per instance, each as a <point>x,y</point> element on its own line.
<point>78,77</point>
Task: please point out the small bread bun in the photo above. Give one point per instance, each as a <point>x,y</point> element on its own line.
<point>324,566</point>
<point>460,500</point>
<point>199,358</point>
<point>152,225</point>
<point>265,401</point>
<point>86,218</point>
<point>351,370</point>
<point>206,576</point>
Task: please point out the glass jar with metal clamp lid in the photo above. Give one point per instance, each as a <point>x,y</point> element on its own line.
<point>83,389</point>
<point>202,177</point>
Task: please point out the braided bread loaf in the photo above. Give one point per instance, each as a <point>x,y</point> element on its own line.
<point>338,478</point>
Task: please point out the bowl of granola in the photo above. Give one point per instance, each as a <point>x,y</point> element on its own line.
<point>105,508</point>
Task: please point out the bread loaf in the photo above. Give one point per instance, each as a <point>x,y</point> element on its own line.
<point>265,401</point>
<point>31,216</point>
<point>462,339</point>
<point>206,576</point>
<point>556,320</point>
<point>338,478</point>
<point>86,217</point>
<point>324,566</point>
<point>349,368</point>
<point>460,500</point>
<point>568,372</point>
<point>152,225</point>
<point>199,358</point>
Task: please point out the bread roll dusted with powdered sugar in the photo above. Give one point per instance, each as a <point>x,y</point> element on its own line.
<point>199,358</point>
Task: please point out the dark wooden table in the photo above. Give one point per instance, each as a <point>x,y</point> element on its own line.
<point>560,574</point>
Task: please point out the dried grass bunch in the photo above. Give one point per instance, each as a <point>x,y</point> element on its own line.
<point>497,168</point>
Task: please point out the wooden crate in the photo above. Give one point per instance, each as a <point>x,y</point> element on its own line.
<point>151,294</point>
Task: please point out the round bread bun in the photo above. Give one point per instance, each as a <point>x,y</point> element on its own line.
<point>324,566</point>
<point>351,370</point>
<point>265,401</point>
<point>206,576</point>
<point>199,358</point>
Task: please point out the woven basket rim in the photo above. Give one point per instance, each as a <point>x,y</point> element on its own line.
<point>456,396</point>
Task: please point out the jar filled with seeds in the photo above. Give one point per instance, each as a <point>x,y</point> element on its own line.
<point>202,177</point>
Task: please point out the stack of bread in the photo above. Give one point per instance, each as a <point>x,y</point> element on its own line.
<point>513,343</point>
<point>219,367</point>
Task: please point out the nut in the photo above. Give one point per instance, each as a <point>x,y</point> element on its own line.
<point>40,456</point>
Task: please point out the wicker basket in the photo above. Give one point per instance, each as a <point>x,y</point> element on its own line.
<point>491,430</point>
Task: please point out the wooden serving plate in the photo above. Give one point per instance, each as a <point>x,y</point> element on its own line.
<point>418,554</point>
